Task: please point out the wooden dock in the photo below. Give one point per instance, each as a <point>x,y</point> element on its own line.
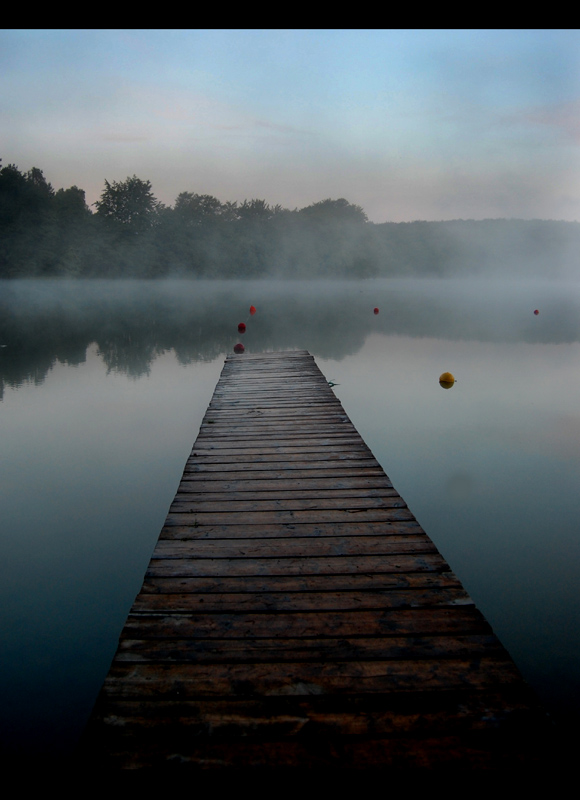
<point>294,613</point>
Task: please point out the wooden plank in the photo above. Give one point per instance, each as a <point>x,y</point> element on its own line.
<point>321,624</point>
<point>333,516</point>
<point>294,486</point>
<point>174,529</point>
<point>192,680</point>
<point>302,465</point>
<point>185,502</point>
<point>189,495</point>
<point>294,613</point>
<point>218,445</point>
<point>299,601</point>
<point>386,715</point>
<point>305,584</point>
<point>301,650</point>
<point>426,562</point>
<point>243,460</point>
<point>291,447</point>
<point>294,547</point>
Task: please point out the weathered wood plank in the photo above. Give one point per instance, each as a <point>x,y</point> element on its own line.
<point>278,651</point>
<point>191,680</point>
<point>331,469</point>
<point>241,460</point>
<point>295,447</point>
<point>292,486</point>
<point>297,601</point>
<point>292,439</point>
<point>183,527</point>
<point>312,716</point>
<point>345,565</point>
<point>186,495</point>
<point>336,516</point>
<point>295,547</point>
<point>320,624</point>
<point>306,584</point>
<point>190,503</point>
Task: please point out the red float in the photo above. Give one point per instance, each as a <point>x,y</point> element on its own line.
<point>239,348</point>
<point>536,312</point>
<point>242,327</point>
<point>376,311</point>
<point>252,310</point>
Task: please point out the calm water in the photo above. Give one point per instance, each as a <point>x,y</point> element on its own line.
<point>102,390</point>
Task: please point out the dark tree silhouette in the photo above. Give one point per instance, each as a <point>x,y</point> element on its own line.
<point>335,211</point>
<point>197,209</point>
<point>130,202</point>
<point>71,205</point>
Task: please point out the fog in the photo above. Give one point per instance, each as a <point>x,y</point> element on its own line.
<point>132,235</point>
<point>132,323</point>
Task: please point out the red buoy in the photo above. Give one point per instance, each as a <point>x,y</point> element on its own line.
<point>376,311</point>
<point>242,327</point>
<point>252,310</point>
<point>536,312</point>
<point>239,348</point>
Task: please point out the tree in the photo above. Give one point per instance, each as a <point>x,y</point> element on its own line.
<point>256,211</point>
<point>24,194</point>
<point>130,203</point>
<point>12,193</point>
<point>333,232</point>
<point>71,204</point>
<point>339,211</point>
<point>39,184</point>
<point>196,209</point>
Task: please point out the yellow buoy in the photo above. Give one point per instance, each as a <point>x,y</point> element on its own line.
<point>446,380</point>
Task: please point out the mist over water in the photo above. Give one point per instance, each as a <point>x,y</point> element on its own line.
<point>103,386</point>
<point>133,322</point>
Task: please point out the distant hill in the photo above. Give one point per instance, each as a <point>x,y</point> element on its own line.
<point>515,247</point>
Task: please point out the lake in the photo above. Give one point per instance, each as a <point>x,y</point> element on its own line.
<point>103,386</point>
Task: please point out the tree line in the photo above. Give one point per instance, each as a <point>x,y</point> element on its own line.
<point>48,233</point>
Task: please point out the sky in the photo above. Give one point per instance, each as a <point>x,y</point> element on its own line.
<point>409,124</point>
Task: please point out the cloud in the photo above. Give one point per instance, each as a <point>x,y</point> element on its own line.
<point>563,117</point>
<point>122,138</point>
<point>408,125</point>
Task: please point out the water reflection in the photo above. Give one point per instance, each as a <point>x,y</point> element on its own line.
<point>134,322</point>
<point>459,486</point>
<point>104,386</point>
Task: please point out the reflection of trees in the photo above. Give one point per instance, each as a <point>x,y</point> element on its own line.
<point>133,357</point>
<point>133,322</point>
